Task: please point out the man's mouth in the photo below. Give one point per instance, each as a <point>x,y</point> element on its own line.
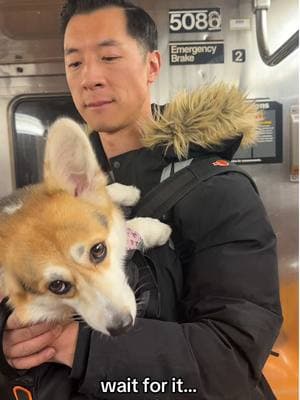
<point>98,104</point>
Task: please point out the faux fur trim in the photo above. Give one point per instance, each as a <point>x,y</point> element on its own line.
<point>206,117</point>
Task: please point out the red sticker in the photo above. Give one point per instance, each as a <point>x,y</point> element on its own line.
<point>221,163</point>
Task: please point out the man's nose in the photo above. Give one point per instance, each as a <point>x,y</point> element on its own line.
<point>121,324</point>
<point>92,76</point>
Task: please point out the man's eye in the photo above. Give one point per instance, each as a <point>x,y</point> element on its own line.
<point>110,59</point>
<point>74,65</point>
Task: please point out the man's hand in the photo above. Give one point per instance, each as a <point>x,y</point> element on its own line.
<point>29,346</point>
<point>65,345</point>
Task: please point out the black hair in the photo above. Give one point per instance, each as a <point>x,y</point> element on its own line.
<point>140,25</point>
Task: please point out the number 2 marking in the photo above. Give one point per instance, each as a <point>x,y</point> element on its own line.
<point>239,55</point>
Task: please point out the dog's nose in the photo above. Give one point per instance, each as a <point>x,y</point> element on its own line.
<point>121,325</point>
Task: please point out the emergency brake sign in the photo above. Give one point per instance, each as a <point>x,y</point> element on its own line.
<point>197,52</point>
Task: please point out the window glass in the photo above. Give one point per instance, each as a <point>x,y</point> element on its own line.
<point>31,120</point>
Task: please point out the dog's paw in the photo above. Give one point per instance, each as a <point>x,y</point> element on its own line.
<point>123,194</point>
<point>153,232</point>
<point>164,234</point>
<point>133,196</point>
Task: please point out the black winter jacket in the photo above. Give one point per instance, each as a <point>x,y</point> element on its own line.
<point>227,293</point>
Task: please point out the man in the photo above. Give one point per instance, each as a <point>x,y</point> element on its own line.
<point>227,288</point>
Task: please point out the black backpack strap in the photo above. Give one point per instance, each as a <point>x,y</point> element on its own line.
<point>158,201</point>
<point>5,312</point>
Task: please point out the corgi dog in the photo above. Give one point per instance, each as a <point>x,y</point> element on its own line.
<point>63,241</point>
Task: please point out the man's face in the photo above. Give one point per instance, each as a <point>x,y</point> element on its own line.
<point>108,73</point>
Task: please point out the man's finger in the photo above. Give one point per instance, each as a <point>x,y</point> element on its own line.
<point>32,361</point>
<point>32,346</point>
<point>22,334</point>
<point>13,322</point>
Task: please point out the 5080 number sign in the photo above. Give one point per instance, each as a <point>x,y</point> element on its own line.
<point>200,20</point>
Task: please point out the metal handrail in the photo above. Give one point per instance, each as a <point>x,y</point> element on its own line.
<point>261,33</point>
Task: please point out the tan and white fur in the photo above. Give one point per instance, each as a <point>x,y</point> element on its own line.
<point>63,242</point>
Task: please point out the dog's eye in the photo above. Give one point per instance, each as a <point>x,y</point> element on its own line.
<point>60,287</point>
<point>98,253</point>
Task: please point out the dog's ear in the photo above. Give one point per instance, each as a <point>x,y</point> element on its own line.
<point>70,163</point>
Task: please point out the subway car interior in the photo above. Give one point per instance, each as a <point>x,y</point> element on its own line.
<point>250,43</point>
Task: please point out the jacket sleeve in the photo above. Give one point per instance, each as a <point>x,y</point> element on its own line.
<point>230,306</point>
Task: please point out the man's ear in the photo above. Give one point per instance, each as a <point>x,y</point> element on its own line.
<point>154,64</point>
<point>70,163</point>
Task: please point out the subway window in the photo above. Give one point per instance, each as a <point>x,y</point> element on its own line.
<point>31,118</point>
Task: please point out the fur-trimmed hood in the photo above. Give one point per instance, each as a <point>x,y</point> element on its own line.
<point>214,118</point>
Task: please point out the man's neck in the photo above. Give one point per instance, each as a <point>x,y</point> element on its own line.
<point>121,142</point>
